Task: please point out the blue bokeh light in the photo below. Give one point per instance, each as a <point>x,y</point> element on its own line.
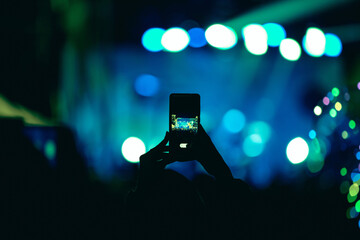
<point>276,33</point>
<point>333,45</point>
<point>151,39</point>
<point>146,85</point>
<point>312,134</point>
<point>234,120</point>
<point>197,37</point>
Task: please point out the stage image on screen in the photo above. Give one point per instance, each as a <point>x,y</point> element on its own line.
<point>184,124</point>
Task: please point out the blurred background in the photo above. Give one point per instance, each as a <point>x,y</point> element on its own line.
<point>279,83</point>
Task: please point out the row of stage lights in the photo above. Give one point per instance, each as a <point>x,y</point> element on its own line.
<point>257,38</point>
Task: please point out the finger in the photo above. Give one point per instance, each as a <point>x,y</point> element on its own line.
<point>163,142</point>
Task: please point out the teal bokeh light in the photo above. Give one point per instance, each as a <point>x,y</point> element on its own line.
<point>151,39</point>
<point>275,32</point>
<point>333,45</point>
<point>253,145</point>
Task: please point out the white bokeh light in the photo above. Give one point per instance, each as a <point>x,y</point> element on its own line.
<point>132,149</point>
<point>297,150</point>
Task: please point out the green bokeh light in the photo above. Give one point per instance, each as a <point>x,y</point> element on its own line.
<point>343,171</point>
<point>344,134</point>
<point>352,124</point>
<point>335,91</point>
<point>333,113</point>
<point>350,198</point>
<point>50,149</point>
<point>344,187</point>
<point>357,206</point>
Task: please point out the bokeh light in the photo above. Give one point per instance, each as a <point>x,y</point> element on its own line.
<point>312,134</point>
<point>151,39</point>
<point>146,85</point>
<point>332,113</point>
<point>197,37</point>
<point>326,101</point>
<point>255,39</point>
<point>350,198</point>
<point>344,134</point>
<point>297,150</point>
<point>314,42</point>
<point>352,124</point>
<point>358,85</point>
<point>338,106</point>
<point>50,149</point>
<point>234,120</point>
<point>357,206</point>
<point>343,171</point>
<point>290,49</point>
<point>344,187</point>
<point>317,110</point>
<point>333,45</point>
<point>275,34</point>
<point>221,37</point>
<point>175,39</point>
<point>354,189</point>
<point>261,128</point>
<point>335,92</point>
<point>357,155</point>
<point>132,149</point>
<point>253,145</point>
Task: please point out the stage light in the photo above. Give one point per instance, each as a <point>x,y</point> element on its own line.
<point>335,92</point>
<point>333,45</point>
<point>352,124</point>
<point>175,39</point>
<point>297,150</point>
<point>132,149</point>
<point>253,145</point>
<point>197,37</point>
<point>255,39</point>
<point>317,110</point>
<point>338,106</point>
<point>332,112</point>
<point>312,134</point>
<point>261,128</point>
<point>326,101</point>
<point>234,120</point>
<point>151,39</point>
<point>146,85</point>
<point>343,172</point>
<point>314,42</point>
<point>275,34</point>
<point>290,49</point>
<point>221,37</point>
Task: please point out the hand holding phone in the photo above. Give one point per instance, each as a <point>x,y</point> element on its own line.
<point>184,120</point>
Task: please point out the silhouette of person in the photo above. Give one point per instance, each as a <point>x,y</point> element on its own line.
<point>167,205</point>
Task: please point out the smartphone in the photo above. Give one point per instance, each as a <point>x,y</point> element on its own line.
<point>184,120</point>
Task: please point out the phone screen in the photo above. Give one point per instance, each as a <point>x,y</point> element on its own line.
<point>184,119</point>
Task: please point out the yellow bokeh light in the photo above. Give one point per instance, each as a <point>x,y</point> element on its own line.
<point>338,106</point>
